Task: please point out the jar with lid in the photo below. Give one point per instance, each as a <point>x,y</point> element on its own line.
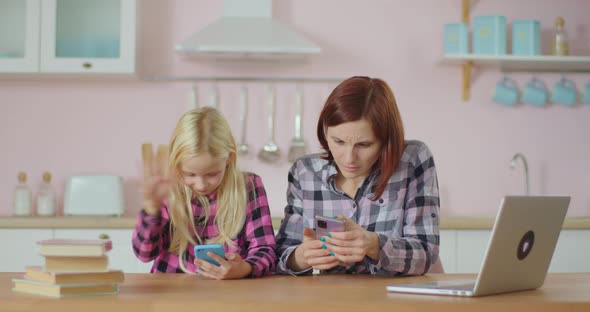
<point>46,197</point>
<point>22,201</point>
<point>560,38</point>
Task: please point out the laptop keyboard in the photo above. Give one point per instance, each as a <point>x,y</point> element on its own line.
<point>449,284</point>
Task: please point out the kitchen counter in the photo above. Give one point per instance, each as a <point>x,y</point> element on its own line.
<point>128,222</point>
<point>182,292</point>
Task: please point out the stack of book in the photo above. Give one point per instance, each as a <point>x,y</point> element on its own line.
<point>72,268</point>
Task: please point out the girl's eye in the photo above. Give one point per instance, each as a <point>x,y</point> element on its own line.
<point>213,174</point>
<point>364,145</point>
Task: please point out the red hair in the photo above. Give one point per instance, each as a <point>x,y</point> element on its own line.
<point>371,99</point>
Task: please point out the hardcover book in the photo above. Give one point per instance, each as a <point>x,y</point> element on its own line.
<point>58,291</point>
<point>76,264</point>
<point>37,273</point>
<point>75,247</point>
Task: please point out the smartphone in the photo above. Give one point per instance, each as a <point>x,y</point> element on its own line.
<point>325,225</point>
<point>201,252</point>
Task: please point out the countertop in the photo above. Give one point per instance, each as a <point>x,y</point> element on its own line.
<point>346,292</point>
<point>128,222</point>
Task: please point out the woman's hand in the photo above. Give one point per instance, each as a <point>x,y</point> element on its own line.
<point>233,267</point>
<point>354,243</point>
<point>311,253</point>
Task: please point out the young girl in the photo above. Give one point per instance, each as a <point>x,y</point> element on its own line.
<point>205,199</point>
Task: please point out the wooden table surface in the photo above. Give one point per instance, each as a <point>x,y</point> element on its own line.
<point>180,292</point>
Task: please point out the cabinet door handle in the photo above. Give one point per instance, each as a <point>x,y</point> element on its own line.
<point>87,65</point>
<point>103,236</point>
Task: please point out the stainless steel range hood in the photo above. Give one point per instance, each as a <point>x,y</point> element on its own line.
<point>247,31</point>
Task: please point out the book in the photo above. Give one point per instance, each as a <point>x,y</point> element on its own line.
<point>37,273</point>
<point>58,291</point>
<point>75,247</point>
<point>76,264</point>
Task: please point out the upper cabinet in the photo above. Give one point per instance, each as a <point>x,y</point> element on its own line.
<point>67,36</point>
<point>19,35</point>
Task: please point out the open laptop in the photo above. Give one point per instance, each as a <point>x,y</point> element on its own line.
<point>519,250</point>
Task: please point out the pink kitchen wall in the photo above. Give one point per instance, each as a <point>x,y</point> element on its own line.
<point>72,126</point>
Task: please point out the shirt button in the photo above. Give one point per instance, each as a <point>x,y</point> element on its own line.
<point>381,200</point>
<point>433,215</point>
<point>354,205</point>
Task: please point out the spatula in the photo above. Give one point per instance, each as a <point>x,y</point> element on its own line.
<point>297,148</point>
<point>243,146</point>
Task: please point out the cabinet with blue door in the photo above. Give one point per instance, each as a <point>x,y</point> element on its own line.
<point>67,36</point>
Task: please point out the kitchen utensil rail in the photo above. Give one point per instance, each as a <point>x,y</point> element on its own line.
<point>242,79</point>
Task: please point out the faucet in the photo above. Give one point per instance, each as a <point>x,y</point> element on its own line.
<point>526,169</point>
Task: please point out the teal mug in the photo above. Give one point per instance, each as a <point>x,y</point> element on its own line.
<point>506,92</point>
<point>535,93</point>
<point>564,92</point>
<point>587,94</point>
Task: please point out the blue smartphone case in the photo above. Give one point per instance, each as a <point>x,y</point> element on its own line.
<point>201,252</point>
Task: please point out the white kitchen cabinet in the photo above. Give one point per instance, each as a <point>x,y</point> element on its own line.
<point>121,257</point>
<point>67,36</point>
<point>19,35</point>
<point>470,249</point>
<point>447,250</point>
<point>19,248</point>
<point>571,252</point>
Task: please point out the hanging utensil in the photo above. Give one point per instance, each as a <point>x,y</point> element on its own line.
<point>297,148</point>
<point>194,97</point>
<point>243,146</point>
<point>270,152</point>
<point>214,97</point>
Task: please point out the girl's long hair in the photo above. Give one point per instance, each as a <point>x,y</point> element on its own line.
<point>204,130</point>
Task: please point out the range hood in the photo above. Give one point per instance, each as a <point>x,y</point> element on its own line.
<point>247,31</point>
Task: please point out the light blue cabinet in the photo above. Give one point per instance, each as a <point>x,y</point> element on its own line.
<point>67,36</point>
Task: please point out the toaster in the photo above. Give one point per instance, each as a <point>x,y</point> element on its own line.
<point>94,195</point>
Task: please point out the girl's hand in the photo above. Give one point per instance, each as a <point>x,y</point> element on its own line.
<point>312,253</point>
<point>156,184</point>
<point>155,190</point>
<point>354,243</point>
<point>232,268</point>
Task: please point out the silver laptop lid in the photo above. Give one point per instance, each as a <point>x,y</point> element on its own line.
<point>521,244</point>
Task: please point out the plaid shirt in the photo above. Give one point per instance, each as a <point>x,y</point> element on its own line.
<point>255,243</point>
<point>405,216</point>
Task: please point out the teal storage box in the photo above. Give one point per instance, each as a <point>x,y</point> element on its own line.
<point>526,37</point>
<point>489,34</point>
<point>456,38</point>
<point>586,99</point>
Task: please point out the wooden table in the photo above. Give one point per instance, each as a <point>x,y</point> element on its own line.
<point>180,292</point>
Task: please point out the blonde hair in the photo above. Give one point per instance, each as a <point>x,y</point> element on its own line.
<point>204,130</point>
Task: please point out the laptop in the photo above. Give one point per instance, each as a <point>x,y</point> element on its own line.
<point>518,254</point>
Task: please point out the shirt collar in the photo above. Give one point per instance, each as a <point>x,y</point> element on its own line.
<point>366,187</point>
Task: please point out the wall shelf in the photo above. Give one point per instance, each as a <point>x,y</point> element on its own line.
<point>540,63</point>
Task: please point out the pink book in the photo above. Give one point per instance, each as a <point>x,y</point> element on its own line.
<point>75,247</point>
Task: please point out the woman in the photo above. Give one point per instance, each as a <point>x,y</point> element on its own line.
<point>384,188</point>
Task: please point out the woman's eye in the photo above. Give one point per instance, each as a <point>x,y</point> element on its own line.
<point>339,142</point>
